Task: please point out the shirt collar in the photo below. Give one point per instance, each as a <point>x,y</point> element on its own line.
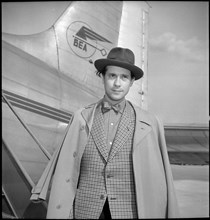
<point>121,104</point>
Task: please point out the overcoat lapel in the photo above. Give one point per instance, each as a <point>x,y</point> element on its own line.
<point>88,115</point>
<point>142,128</point>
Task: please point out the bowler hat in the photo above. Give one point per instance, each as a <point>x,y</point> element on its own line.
<point>121,57</point>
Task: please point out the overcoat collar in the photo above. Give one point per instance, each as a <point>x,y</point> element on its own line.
<point>143,122</point>
<point>143,125</point>
<point>88,114</point>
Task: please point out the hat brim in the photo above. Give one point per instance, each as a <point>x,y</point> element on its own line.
<point>100,64</point>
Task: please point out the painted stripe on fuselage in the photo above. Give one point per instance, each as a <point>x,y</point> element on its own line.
<point>37,107</point>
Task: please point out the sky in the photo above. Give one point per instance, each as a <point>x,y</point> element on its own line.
<point>178,53</point>
<point>178,67</point>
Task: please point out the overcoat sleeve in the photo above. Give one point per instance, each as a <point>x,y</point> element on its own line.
<point>40,190</point>
<point>66,174</point>
<point>155,192</point>
<point>172,209</point>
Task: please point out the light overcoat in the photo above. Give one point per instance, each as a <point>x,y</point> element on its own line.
<point>155,192</point>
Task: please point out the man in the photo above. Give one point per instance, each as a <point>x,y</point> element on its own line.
<point>113,162</point>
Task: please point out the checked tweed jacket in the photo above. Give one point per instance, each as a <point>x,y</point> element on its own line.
<point>105,175</point>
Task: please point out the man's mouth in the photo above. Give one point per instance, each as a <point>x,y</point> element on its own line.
<point>118,91</point>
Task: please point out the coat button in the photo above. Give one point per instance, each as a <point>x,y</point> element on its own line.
<point>68,180</point>
<point>102,197</point>
<point>58,206</point>
<point>74,154</point>
<point>82,127</point>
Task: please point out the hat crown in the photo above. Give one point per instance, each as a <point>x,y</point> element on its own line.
<point>122,55</point>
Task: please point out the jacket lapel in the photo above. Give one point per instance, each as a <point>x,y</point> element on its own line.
<point>98,134</point>
<point>123,131</point>
<point>95,125</point>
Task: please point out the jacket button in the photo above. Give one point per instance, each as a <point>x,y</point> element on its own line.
<point>74,154</point>
<point>102,197</point>
<point>109,176</point>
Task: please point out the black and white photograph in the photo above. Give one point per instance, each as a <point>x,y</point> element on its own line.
<point>105,109</point>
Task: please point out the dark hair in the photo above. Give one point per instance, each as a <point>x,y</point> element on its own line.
<point>103,72</point>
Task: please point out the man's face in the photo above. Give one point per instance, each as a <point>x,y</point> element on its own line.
<point>117,82</point>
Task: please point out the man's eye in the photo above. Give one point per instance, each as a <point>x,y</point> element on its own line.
<point>112,75</point>
<point>125,77</point>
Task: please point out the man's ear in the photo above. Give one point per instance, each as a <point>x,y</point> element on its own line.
<point>102,78</point>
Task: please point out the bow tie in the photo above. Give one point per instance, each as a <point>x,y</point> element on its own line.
<point>106,107</point>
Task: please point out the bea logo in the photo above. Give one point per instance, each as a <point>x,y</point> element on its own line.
<point>83,40</point>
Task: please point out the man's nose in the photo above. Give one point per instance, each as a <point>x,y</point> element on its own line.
<point>117,81</point>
